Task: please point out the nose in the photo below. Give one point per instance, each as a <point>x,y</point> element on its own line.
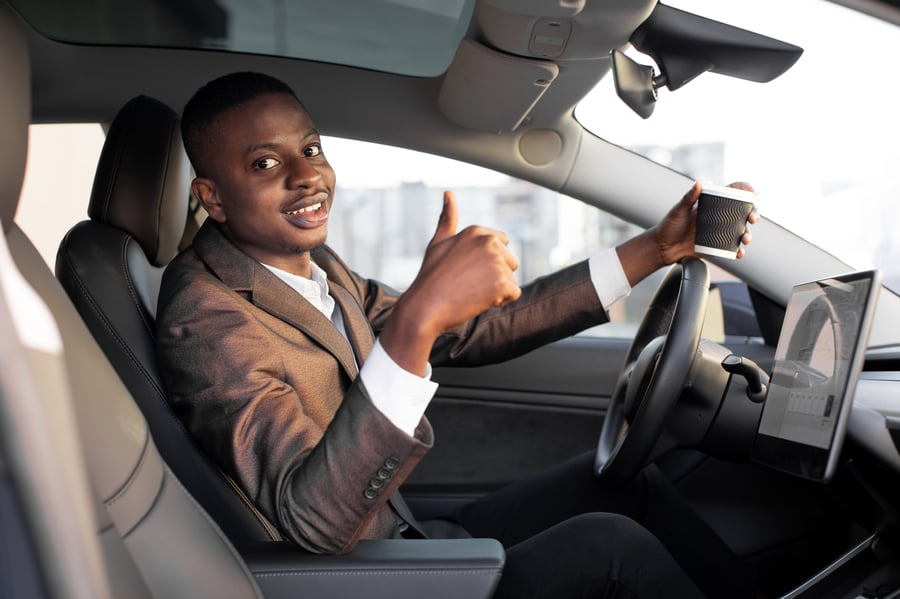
<point>302,173</point>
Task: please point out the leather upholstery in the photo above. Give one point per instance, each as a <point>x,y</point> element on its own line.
<point>142,179</point>
<point>146,536</point>
<point>49,514</point>
<point>388,568</point>
<point>142,498</point>
<point>111,266</point>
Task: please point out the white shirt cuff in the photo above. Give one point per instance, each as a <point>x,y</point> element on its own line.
<point>608,277</point>
<point>397,393</point>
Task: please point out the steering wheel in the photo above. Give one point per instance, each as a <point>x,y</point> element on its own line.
<point>655,371</point>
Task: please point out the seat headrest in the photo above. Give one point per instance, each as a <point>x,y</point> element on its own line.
<point>15,114</point>
<point>142,184</point>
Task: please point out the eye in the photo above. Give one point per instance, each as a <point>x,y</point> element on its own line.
<point>265,164</point>
<point>312,150</point>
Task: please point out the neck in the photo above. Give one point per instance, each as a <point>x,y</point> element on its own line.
<point>296,263</point>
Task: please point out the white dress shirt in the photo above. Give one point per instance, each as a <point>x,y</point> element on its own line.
<point>399,394</point>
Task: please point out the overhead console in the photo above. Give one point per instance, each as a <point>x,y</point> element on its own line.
<point>530,51</point>
<point>480,75</point>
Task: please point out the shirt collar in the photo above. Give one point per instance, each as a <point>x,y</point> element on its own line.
<point>314,290</point>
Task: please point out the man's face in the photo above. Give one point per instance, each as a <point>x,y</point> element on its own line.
<point>269,184</point>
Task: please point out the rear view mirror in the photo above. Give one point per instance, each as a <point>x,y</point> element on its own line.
<point>636,84</point>
<point>685,45</point>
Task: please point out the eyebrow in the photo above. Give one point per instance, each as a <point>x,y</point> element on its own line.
<point>272,145</point>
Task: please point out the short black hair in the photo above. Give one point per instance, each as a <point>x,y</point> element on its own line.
<point>217,97</point>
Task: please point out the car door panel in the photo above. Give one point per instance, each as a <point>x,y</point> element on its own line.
<point>499,423</point>
<point>494,424</point>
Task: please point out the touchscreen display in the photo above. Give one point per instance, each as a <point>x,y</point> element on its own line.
<point>817,362</point>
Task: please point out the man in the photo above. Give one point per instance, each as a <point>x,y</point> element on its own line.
<point>308,384</point>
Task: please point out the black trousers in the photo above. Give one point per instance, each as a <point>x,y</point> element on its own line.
<point>567,535</point>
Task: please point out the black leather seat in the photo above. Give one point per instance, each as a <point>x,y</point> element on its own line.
<point>111,266</point>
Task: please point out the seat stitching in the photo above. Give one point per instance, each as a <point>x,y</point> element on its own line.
<point>129,482</point>
<point>376,572</point>
<point>104,320</point>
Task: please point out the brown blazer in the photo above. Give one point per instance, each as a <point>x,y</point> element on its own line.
<point>269,387</point>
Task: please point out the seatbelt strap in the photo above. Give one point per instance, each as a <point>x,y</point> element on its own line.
<point>409,526</point>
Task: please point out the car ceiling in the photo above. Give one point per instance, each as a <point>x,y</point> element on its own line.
<point>505,82</point>
<point>563,45</point>
<point>540,141</point>
<point>528,59</point>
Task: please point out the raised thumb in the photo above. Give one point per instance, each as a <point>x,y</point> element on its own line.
<point>446,226</point>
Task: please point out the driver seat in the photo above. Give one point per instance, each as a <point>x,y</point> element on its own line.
<point>111,266</point>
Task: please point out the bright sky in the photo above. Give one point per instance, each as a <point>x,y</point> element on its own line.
<point>818,143</point>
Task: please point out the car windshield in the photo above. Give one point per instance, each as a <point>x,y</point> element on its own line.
<point>818,143</point>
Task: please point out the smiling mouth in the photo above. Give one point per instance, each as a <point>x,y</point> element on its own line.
<point>309,209</point>
<point>308,217</point>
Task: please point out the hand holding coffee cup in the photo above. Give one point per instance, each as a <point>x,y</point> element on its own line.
<point>722,214</point>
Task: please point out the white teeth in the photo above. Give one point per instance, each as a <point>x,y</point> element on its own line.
<point>312,208</point>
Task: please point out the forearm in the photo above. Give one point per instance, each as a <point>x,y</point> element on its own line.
<point>640,256</point>
<point>409,336</point>
<point>550,308</point>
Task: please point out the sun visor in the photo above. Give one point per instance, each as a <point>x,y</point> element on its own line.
<point>490,91</point>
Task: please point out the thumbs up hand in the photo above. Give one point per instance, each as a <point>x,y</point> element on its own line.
<point>462,275</point>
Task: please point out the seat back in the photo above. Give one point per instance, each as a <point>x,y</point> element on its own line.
<point>146,536</point>
<point>48,512</point>
<point>111,266</point>
<point>66,544</point>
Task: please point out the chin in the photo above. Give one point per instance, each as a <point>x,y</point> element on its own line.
<point>309,245</point>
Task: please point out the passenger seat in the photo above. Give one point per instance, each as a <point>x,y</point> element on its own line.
<point>82,460</point>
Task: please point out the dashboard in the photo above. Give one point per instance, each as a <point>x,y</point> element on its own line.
<point>875,419</point>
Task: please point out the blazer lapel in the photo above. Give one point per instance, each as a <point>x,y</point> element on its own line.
<point>275,297</point>
<point>359,331</point>
<point>266,291</point>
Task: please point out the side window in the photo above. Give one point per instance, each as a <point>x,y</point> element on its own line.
<point>58,179</point>
<point>388,201</point>
<point>385,211</point>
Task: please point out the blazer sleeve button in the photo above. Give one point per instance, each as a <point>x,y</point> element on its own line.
<point>392,462</point>
<point>370,493</point>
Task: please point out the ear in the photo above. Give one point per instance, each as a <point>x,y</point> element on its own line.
<point>207,194</point>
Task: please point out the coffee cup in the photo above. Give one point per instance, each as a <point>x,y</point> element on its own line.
<point>722,214</point>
